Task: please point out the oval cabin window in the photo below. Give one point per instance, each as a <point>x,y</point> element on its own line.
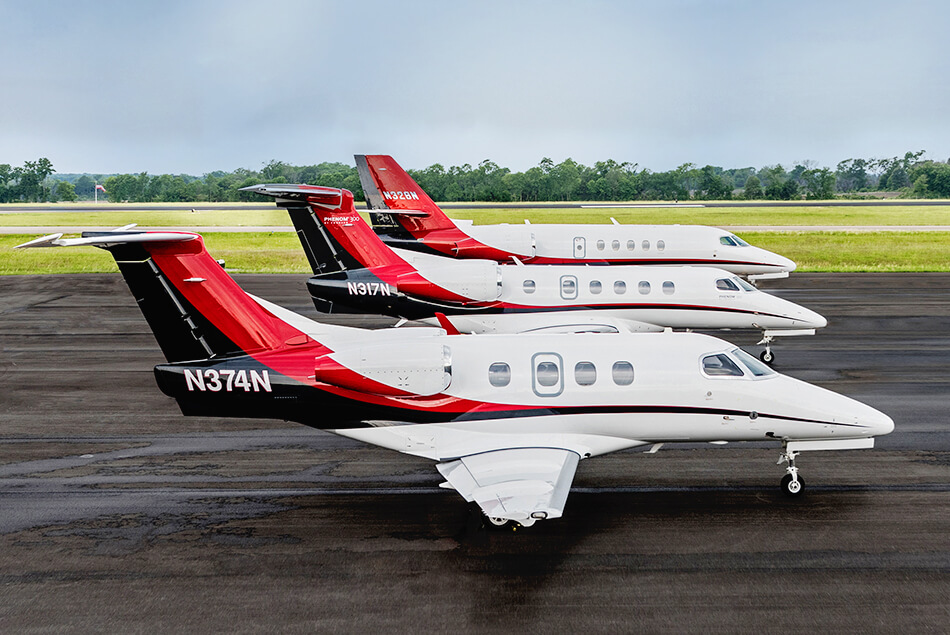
<point>547,374</point>
<point>622,373</point>
<point>585,373</point>
<point>499,374</point>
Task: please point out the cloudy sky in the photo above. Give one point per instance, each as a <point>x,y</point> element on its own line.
<point>197,86</point>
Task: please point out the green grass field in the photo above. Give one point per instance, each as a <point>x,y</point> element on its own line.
<point>279,252</point>
<point>224,216</point>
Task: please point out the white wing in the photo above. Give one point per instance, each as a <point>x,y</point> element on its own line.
<point>521,484</point>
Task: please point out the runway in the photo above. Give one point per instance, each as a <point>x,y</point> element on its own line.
<point>119,514</point>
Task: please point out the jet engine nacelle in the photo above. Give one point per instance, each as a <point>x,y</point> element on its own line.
<point>478,280</point>
<point>421,368</point>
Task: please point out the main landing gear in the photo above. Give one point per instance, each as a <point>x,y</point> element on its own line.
<point>792,484</point>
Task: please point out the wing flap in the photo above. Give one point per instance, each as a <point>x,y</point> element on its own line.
<point>519,484</point>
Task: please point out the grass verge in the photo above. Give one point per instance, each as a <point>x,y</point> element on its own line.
<point>280,252</point>
<point>223,217</point>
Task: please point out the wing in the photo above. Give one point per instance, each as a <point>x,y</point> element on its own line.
<point>592,321</point>
<point>520,484</point>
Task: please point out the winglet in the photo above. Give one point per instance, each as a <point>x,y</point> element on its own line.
<point>446,324</point>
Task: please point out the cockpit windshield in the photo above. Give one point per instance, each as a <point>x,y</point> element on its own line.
<point>725,284</point>
<point>746,286</point>
<point>732,240</point>
<point>756,367</point>
<point>721,366</point>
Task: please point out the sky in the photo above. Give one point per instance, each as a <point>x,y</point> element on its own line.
<point>197,86</point>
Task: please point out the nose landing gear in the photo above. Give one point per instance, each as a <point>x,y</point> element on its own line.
<point>792,484</point>
<point>767,355</point>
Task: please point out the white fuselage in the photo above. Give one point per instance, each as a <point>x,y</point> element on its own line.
<point>605,392</point>
<point>647,244</point>
<point>674,296</point>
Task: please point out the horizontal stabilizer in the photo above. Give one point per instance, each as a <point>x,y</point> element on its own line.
<point>298,192</point>
<point>520,484</point>
<point>101,239</point>
<point>409,212</point>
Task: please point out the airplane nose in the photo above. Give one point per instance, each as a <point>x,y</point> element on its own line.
<point>880,424</point>
<point>813,320</point>
<point>784,263</point>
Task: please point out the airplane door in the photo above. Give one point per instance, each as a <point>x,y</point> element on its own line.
<point>547,374</point>
<point>569,287</point>
<point>580,247</point>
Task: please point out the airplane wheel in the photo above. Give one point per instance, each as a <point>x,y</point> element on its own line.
<point>499,522</point>
<point>767,356</point>
<point>792,488</point>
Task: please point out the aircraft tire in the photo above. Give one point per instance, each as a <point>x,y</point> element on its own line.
<point>792,489</point>
<point>767,356</point>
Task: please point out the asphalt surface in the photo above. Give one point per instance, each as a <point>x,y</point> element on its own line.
<point>119,514</point>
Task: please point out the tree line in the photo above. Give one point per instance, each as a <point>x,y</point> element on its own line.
<point>910,176</point>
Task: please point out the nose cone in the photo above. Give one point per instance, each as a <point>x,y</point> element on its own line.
<point>812,320</point>
<point>787,314</point>
<point>871,422</point>
<point>776,262</point>
<point>881,424</point>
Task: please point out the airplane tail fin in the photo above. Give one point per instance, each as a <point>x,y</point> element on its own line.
<point>195,309</point>
<point>333,234</point>
<point>395,199</point>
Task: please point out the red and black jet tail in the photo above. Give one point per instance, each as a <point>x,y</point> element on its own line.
<point>196,310</point>
<point>333,234</point>
<point>395,200</point>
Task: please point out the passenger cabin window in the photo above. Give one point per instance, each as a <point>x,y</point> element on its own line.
<point>668,287</point>
<point>596,287</point>
<point>547,374</point>
<point>585,373</point>
<point>600,245</point>
<point>499,374</point>
<point>568,287</point>
<point>631,245</point>
<point>643,287</point>
<point>660,245</point>
<point>724,284</point>
<point>646,245</point>
<point>529,286</point>
<point>622,373</point>
<point>615,245</point>
<point>620,287</point>
<point>720,366</point>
